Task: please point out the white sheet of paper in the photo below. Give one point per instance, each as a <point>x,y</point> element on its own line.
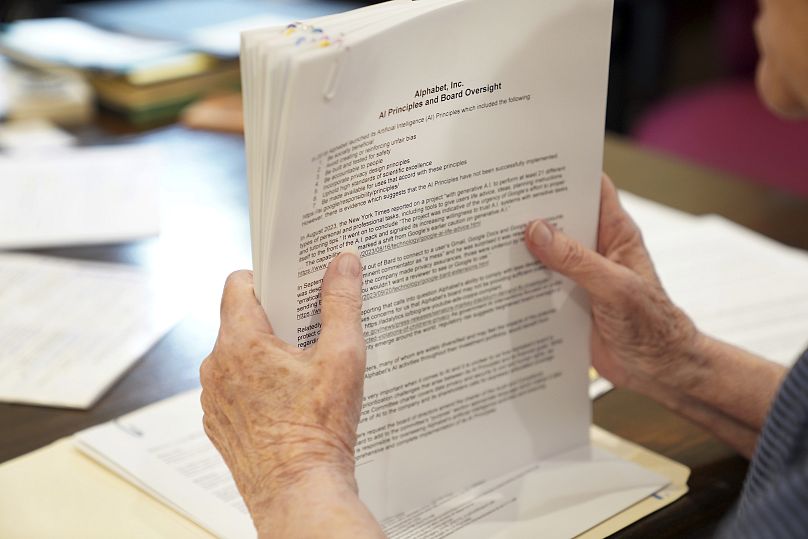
<point>560,497</point>
<point>735,284</point>
<point>466,333</point>
<point>69,329</point>
<point>657,221</point>
<point>739,287</point>
<point>79,196</point>
<point>599,386</point>
<point>163,449</point>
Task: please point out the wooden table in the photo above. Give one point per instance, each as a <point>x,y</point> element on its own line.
<point>206,230</point>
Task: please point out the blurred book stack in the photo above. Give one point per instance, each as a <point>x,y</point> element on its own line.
<point>144,80</point>
<point>158,94</point>
<point>143,60</point>
<point>59,96</point>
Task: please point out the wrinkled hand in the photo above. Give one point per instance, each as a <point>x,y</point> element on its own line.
<point>278,414</point>
<point>638,332</point>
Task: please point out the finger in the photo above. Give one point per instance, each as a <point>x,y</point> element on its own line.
<point>609,199</point>
<point>240,308</point>
<point>341,298</point>
<point>616,225</point>
<point>596,274</point>
<point>619,238</point>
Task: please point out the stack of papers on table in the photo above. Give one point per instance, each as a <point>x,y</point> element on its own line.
<point>79,196</point>
<point>735,284</point>
<point>70,329</point>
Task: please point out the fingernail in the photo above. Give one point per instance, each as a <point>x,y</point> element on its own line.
<point>540,233</point>
<point>348,263</point>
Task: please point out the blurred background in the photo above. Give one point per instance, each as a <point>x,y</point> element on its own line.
<point>682,73</point>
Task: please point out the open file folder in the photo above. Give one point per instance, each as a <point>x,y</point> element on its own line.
<point>84,499</point>
<point>163,449</point>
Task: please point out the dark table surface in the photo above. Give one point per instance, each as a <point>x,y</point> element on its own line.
<point>205,231</point>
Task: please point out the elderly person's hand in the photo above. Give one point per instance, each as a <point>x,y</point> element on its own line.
<point>643,342</point>
<point>638,332</point>
<point>285,419</point>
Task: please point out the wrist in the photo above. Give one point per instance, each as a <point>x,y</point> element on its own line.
<point>314,489</point>
<point>675,358</point>
<point>682,368</point>
<point>297,467</point>
<point>288,453</point>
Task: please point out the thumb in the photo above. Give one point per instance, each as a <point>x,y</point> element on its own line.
<point>341,297</point>
<point>597,275</point>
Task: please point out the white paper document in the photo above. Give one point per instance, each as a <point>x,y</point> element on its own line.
<point>75,196</point>
<point>69,329</point>
<point>163,450</point>
<point>735,284</point>
<point>740,288</point>
<point>440,134</point>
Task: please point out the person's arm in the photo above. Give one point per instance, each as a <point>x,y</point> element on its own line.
<point>285,419</point>
<point>643,342</point>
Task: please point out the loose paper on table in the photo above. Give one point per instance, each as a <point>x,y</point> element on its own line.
<point>79,196</point>
<point>69,329</point>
